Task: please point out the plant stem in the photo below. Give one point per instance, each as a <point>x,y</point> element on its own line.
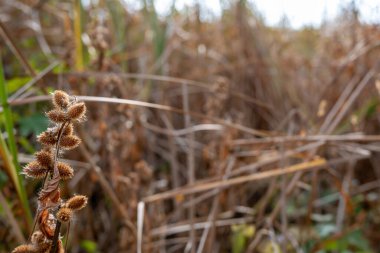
<point>14,168</point>
<point>79,62</point>
<point>67,235</point>
<point>58,224</point>
<point>38,210</point>
<point>55,238</point>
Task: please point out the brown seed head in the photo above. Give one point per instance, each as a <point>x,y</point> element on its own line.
<point>65,171</point>
<point>76,203</point>
<point>69,142</point>
<point>34,170</point>
<point>26,248</point>
<point>64,214</point>
<point>44,247</point>
<point>38,238</point>
<point>144,170</point>
<point>45,158</point>
<point>76,111</point>
<point>61,99</point>
<point>68,130</point>
<point>57,116</point>
<point>47,138</point>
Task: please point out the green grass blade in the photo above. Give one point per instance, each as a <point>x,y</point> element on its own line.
<point>79,58</point>
<point>8,117</point>
<point>9,155</point>
<point>117,13</point>
<point>159,39</point>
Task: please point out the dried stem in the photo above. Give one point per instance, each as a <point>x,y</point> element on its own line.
<point>38,211</point>
<point>67,235</point>
<point>58,225</point>
<point>56,236</point>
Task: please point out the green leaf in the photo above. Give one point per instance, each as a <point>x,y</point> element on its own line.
<point>357,239</point>
<point>238,243</point>
<point>3,179</point>
<point>26,145</point>
<point>89,246</point>
<point>34,124</point>
<point>371,108</point>
<point>16,83</point>
<point>332,245</point>
<point>353,241</point>
<point>325,230</point>
<point>8,151</point>
<point>240,235</point>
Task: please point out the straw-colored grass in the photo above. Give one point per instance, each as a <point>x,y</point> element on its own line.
<point>202,135</point>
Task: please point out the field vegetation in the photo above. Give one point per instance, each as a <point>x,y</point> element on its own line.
<point>202,134</point>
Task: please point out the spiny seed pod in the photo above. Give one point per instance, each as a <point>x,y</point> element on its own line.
<point>69,141</point>
<point>44,247</point>
<point>45,158</point>
<point>64,214</point>
<point>34,170</point>
<point>57,116</point>
<point>144,170</point>
<point>65,171</point>
<point>76,203</point>
<point>76,111</point>
<point>61,99</point>
<point>26,248</point>
<point>47,138</point>
<point>65,112</point>
<point>38,238</point>
<point>68,130</point>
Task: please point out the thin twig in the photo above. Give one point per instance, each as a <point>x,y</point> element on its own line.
<point>345,191</point>
<point>191,189</point>
<point>190,163</point>
<point>176,229</point>
<point>16,51</point>
<point>12,220</point>
<point>148,105</point>
<point>363,83</point>
<point>357,137</point>
<point>108,189</point>
<point>215,206</point>
<point>173,154</point>
<point>169,79</point>
<point>35,79</point>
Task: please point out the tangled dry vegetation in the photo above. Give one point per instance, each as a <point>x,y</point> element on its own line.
<point>220,135</point>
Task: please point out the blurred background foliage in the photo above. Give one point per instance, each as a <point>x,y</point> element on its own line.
<point>229,97</point>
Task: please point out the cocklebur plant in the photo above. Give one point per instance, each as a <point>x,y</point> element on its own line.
<point>52,210</point>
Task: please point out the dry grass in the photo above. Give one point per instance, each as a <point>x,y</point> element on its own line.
<point>201,136</point>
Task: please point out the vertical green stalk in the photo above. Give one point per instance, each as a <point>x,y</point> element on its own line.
<point>79,62</point>
<point>117,12</point>
<point>159,39</point>
<point>9,155</point>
